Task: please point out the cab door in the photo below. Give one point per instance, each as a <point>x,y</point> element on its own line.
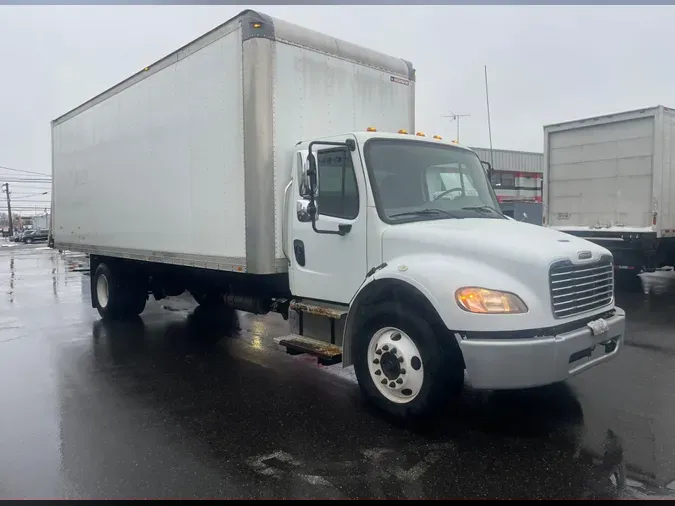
<point>325,265</point>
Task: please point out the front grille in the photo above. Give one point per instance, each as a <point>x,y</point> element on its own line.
<point>577,289</point>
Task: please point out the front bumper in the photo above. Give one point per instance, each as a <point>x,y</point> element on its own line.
<point>505,364</point>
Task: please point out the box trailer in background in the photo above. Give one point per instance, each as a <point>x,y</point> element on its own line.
<point>265,167</point>
<point>610,179</point>
<point>528,212</point>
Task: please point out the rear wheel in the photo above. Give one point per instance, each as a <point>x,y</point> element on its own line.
<point>208,300</point>
<point>402,366</point>
<point>116,295</point>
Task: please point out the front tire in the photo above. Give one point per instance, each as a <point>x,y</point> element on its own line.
<point>116,297</point>
<point>402,366</point>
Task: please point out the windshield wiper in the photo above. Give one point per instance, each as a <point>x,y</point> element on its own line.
<point>424,212</point>
<point>484,208</point>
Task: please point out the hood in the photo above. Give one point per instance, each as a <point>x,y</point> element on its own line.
<point>490,241</point>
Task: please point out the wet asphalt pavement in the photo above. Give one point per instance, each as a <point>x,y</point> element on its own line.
<point>177,405</point>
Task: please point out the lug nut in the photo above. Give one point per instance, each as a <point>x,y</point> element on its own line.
<point>378,352</point>
<point>392,384</point>
<point>394,351</point>
<point>384,381</point>
<point>378,372</point>
<point>399,381</point>
<point>402,371</point>
<point>385,347</point>
<point>400,359</point>
<point>376,361</point>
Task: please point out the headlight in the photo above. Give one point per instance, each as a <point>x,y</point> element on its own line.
<point>482,300</point>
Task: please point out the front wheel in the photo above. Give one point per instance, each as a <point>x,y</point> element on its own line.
<point>29,240</point>
<point>402,366</point>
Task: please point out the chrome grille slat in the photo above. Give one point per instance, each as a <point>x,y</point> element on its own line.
<point>577,289</point>
<point>567,280</point>
<point>572,294</point>
<point>581,299</point>
<point>583,308</point>
<point>603,280</point>
<point>579,271</point>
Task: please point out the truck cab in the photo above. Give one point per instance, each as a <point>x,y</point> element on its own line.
<point>400,238</point>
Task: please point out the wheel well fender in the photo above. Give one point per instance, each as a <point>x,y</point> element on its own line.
<point>389,289</point>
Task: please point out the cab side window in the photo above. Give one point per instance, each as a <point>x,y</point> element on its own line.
<point>338,192</point>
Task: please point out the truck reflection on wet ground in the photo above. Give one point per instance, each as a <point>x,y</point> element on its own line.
<point>520,444</point>
<point>542,428</point>
<point>187,403</point>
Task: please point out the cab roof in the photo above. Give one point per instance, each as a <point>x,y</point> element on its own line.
<point>362,137</point>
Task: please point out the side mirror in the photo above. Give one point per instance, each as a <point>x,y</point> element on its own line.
<point>312,176</point>
<point>487,167</point>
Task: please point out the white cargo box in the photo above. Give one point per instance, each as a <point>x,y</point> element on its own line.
<point>186,162</point>
<point>613,172</point>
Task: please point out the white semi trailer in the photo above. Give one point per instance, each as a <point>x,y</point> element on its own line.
<point>253,168</point>
<point>611,180</point>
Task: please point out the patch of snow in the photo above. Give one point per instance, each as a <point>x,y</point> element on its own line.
<point>634,483</point>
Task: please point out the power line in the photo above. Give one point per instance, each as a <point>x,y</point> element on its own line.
<point>29,177</point>
<point>3,167</point>
<point>27,181</point>
<point>30,194</point>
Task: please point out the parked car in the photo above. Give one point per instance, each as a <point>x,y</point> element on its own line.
<point>35,236</point>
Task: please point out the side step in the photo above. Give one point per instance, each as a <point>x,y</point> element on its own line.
<point>318,308</point>
<point>327,354</point>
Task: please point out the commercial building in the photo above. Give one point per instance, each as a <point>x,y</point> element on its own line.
<point>517,181</point>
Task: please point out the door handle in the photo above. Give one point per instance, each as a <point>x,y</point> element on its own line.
<point>344,228</point>
<point>299,250</point>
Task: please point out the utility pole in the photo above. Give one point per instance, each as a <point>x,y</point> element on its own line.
<point>9,210</point>
<point>454,117</point>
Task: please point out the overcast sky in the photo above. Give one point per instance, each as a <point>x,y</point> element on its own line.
<point>545,64</point>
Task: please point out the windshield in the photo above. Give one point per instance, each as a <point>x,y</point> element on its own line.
<point>415,180</point>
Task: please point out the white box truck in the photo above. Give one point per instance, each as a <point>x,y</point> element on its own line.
<point>266,167</point>
<point>611,180</point>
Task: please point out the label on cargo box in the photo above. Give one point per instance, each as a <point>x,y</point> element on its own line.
<point>398,80</point>
<point>563,216</point>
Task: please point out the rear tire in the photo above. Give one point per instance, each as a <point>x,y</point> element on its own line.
<point>402,366</point>
<point>116,296</point>
<point>208,300</point>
